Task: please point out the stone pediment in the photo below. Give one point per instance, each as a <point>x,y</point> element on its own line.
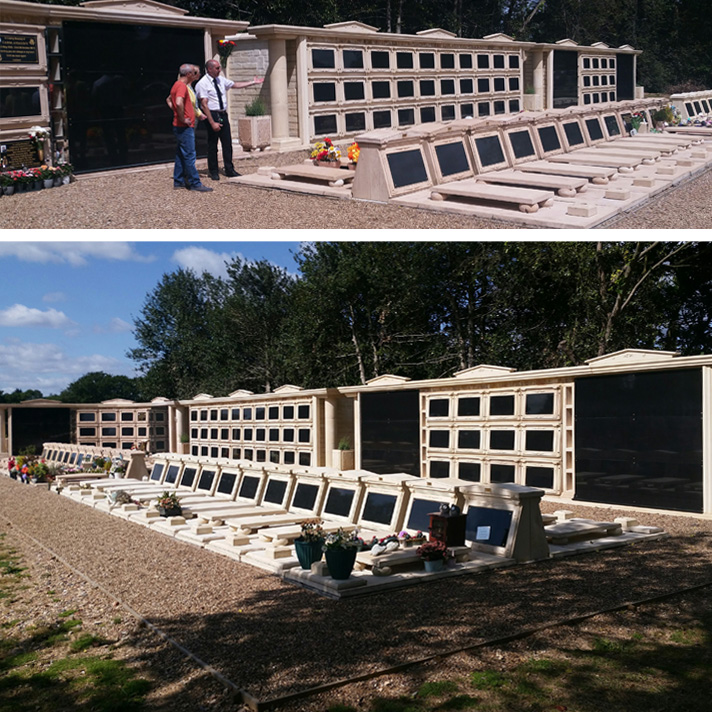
<point>436,32</point>
<point>117,401</point>
<point>39,401</point>
<point>288,388</point>
<point>567,43</point>
<point>241,392</point>
<point>499,36</point>
<point>203,396</point>
<point>387,379</point>
<point>158,400</point>
<point>602,45</point>
<point>145,7</point>
<point>628,356</point>
<point>483,370</point>
<point>351,26</point>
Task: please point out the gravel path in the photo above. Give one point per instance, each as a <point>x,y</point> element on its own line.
<point>145,199</point>
<point>272,638</point>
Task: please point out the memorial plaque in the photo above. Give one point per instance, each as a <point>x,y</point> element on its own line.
<point>248,488</point>
<point>338,502</point>
<point>407,168</point>
<point>16,154</point>
<point>489,150</point>
<point>452,158</point>
<point>612,125</point>
<point>379,508</point>
<point>276,489</point>
<point>549,139</point>
<point>521,143</point>
<point>18,49</point>
<point>593,126</point>
<point>305,496</point>
<point>488,526</point>
<point>573,133</point>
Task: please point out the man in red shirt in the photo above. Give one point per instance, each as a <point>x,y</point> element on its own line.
<point>185,174</point>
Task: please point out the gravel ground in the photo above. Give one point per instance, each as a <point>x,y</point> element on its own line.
<point>145,199</point>
<point>271,638</point>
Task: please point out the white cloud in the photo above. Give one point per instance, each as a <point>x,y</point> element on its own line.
<point>18,315</point>
<point>199,260</point>
<point>53,297</point>
<point>115,326</point>
<point>76,254</point>
<point>47,368</point>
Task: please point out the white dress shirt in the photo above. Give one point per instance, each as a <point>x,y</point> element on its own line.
<point>205,89</point>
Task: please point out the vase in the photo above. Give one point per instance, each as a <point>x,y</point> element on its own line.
<point>57,181</point>
<point>48,182</point>
<point>308,552</point>
<point>340,562</point>
<point>433,566</point>
<point>8,190</point>
<point>66,179</point>
<point>327,164</point>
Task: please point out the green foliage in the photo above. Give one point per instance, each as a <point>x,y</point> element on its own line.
<point>98,386</point>
<point>256,108</point>
<point>487,680</point>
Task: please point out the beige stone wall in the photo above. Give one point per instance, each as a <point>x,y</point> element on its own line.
<point>249,59</point>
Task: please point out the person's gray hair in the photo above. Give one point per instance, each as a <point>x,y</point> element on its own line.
<point>185,70</point>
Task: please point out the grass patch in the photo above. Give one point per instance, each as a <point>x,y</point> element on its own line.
<point>398,704</point>
<point>460,702</point>
<point>66,614</point>
<point>437,689</point>
<point>486,680</point>
<point>83,642</point>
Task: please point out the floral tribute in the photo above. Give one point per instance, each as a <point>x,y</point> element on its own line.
<point>38,134</point>
<point>353,152</point>
<point>325,151</point>
<point>433,551</point>
<point>312,530</point>
<point>225,48</point>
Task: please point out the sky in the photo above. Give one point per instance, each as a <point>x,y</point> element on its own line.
<point>68,308</point>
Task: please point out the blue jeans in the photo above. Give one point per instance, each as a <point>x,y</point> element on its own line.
<point>184,170</point>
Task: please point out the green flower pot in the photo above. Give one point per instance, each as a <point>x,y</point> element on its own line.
<point>433,566</point>
<point>308,552</point>
<point>341,562</point>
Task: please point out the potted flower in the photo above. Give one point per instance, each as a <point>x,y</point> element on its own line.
<point>308,546</point>
<point>7,182</point>
<point>343,457</point>
<point>254,129</point>
<point>225,48</point>
<point>168,505</point>
<point>434,555</point>
<point>325,153</point>
<point>352,153</point>
<point>38,134</point>
<point>340,549</point>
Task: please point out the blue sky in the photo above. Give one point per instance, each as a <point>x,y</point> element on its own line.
<point>67,308</point>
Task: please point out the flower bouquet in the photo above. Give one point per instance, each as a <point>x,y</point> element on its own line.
<point>434,555</point>
<point>325,151</point>
<point>168,505</point>
<point>225,48</point>
<point>353,152</point>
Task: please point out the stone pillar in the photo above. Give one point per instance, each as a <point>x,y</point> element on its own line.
<point>8,442</point>
<point>278,88</point>
<point>136,469</point>
<point>179,430</point>
<point>549,93</point>
<point>3,439</point>
<point>329,430</point>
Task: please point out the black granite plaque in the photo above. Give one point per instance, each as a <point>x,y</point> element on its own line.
<point>407,168</point>
<point>16,154</point>
<point>18,49</point>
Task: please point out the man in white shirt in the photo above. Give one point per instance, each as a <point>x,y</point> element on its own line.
<point>211,91</point>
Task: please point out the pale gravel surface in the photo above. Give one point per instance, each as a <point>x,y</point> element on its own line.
<point>145,199</point>
<point>272,638</point>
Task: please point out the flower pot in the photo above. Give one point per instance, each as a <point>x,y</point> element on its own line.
<point>254,132</point>
<point>8,190</point>
<point>340,562</point>
<point>57,181</point>
<point>433,566</point>
<point>327,164</point>
<point>170,511</point>
<point>308,552</point>
<point>38,184</point>
<point>342,459</point>
<point>48,182</point>
<point>66,179</point>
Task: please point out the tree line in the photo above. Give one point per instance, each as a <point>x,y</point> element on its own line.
<point>358,310</point>
<point>673,34</point>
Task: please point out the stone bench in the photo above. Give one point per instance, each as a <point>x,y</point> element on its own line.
<point>334,177</point>
<point>591,157</point>
<point>383,564</point>
<point>598,175</point>
<point>565,186</point>
<point>526,199</point>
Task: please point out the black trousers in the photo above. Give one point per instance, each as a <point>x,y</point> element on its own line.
<point>225,139</point>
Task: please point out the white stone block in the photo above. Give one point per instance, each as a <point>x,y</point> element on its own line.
<point>617,194</point>
<point>583,210</point>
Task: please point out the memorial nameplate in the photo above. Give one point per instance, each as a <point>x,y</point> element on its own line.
<point>18,49</point>
<point>16,154</point>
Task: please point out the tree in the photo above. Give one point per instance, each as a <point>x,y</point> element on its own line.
<point>98,386</point>
<point>255,314</point>
<point>181,347</point>
<point>17,396</point>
